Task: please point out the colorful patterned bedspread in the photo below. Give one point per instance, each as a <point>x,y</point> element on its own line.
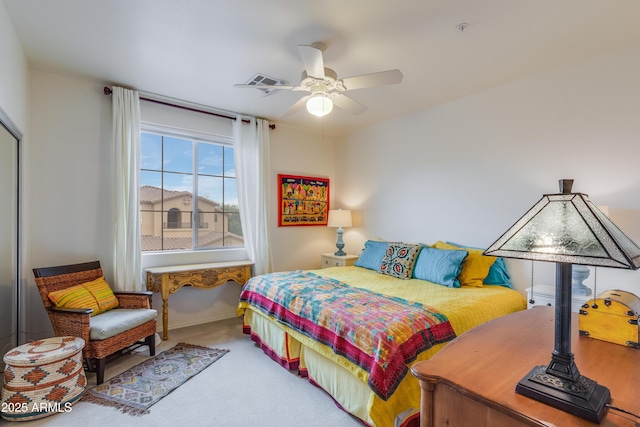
<point>378,333</point>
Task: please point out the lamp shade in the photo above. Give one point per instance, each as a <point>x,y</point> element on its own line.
<point>319,105</point>
<point>567,228</point>
<point>339,218</point>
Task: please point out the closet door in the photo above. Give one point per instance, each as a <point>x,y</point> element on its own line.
<point>8,241</point>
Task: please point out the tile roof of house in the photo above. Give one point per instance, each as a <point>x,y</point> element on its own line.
<point>156,243</point>
<point>151,194</point>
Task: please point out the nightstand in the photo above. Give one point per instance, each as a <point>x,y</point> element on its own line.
<point>331,260</point>
<point>546,295</point>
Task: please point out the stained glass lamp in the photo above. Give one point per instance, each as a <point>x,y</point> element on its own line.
<point>566,228</point>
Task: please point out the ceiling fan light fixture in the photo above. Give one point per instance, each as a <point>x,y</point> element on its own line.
<point>319,105</point>
<point>322,84</point>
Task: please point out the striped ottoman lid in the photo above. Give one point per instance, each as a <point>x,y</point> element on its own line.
<point>43,351</point>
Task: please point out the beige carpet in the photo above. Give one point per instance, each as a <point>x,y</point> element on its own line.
<point>243,388</point>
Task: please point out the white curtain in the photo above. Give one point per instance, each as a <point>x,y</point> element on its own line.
<point>251,149</point>
<point>126,137</point>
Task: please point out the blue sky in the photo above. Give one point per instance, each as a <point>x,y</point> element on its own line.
<point>178,165</point>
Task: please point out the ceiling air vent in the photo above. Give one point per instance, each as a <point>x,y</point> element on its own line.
<point>261,79</point>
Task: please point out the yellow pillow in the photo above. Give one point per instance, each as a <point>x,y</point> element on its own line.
<point>96,295</point>
<point>103,294</point>
<point>475,266</point>
<point>74,297</point>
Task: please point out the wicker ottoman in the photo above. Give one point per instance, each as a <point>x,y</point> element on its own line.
<point>42,378</point>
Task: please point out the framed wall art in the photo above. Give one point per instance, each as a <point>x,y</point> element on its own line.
<point>302,200</point>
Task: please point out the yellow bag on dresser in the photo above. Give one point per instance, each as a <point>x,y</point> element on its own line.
<point>614,318</point>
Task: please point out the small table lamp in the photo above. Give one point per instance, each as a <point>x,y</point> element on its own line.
<point>339,218</point>
<point>566,228</point>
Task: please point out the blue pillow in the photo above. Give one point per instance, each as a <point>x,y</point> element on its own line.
<point>372,254</point>
<point>439,266</point>
<point>498,274</point>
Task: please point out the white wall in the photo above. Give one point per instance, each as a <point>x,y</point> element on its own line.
<point>69,172</point>
<point>295,152</point>
<point>466,170</point>
<point>13,74</point>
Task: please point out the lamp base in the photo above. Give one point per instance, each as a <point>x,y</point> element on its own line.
<point>584,398</point>
<point>340,243</point>
<point>578,274</point>
<point>580,289</point>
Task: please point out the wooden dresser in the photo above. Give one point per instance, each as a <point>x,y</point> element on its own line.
<point>471,381</point>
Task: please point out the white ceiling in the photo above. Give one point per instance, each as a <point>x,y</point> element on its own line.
<point>196,50</point>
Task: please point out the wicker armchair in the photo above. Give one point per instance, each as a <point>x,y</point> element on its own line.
<point>77,322</point>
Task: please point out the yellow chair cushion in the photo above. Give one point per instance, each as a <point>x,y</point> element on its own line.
<point>96,295</point>
<point>475,266</point>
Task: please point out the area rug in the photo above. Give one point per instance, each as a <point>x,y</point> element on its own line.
<point>137,389</point>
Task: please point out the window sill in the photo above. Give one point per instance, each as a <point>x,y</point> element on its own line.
<point>158,259</point>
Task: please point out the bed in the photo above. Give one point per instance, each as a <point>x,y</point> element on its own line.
<point>355,331</point>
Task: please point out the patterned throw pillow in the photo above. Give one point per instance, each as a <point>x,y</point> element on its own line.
<point>399,259</point>
<point>96,295</point>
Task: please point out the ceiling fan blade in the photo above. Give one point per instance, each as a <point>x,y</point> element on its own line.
<point>267,86</point>
<point>374,79</point>
<point>295,107</point>
<point>313,62</point>
<point>348,104</point>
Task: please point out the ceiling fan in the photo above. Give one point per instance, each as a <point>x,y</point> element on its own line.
<point>324,87</point>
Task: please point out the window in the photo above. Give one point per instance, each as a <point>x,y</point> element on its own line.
<point>173,218</point>
<point>175,166</point>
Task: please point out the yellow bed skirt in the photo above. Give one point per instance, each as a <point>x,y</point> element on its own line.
<point>347,382</point>
<point>344,381</point>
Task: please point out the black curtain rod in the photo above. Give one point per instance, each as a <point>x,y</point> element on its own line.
<point>107,91</point>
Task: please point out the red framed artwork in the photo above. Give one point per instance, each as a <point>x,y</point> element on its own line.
<point>302,200</point>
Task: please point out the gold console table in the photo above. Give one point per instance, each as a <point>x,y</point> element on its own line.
<point>167,280</point>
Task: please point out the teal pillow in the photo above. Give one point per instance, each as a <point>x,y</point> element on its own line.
<point>498,274</point>
<point>372,254</point>
<point>440,266</point>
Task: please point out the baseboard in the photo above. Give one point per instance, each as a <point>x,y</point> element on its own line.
<point>194,323</point>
